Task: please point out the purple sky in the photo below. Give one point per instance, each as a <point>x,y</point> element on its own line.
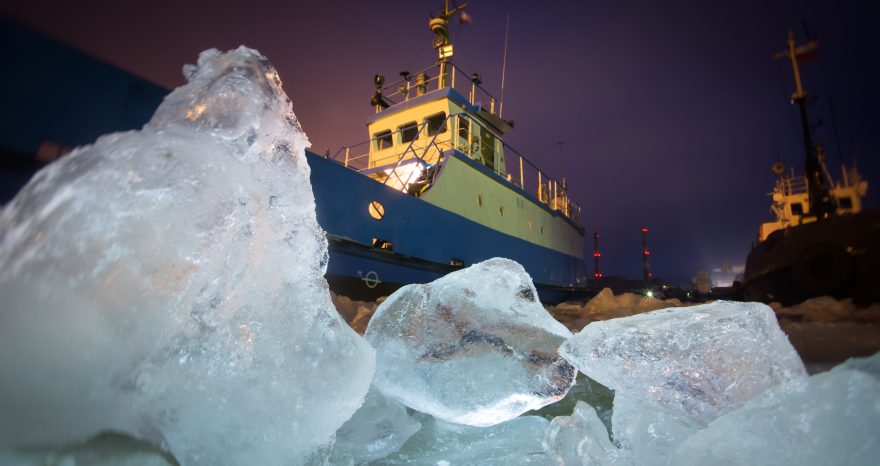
<point>671,113</point>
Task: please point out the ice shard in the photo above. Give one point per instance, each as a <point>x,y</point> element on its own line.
<point>675,370</point>
<point>581,439</point>
<point>474,347</point>
<point>375,431</point>
<point>515,442</point>
<point>701,361</point>
<point>869,365</point>
<point>168,283</point>
<point>829,418</point>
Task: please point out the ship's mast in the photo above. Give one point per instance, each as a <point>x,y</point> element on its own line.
<point>440,27</point>
<point>817,188</point>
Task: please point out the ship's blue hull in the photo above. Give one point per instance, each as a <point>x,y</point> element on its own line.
<point>423,241</point>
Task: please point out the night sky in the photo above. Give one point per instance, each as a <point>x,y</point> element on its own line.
<point>670,113</point>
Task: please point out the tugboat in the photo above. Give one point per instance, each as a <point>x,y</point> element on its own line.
<point>435,189</point>
<point>822,241</point>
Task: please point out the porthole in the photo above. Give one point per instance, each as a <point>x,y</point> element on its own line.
<point>376,209</point>
<point>542,230</point>
<point>501,211</point>
<point>530,224</point>
<point>479,200</point>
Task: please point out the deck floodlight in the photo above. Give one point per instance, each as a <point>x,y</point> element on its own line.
<point>476,78</point>
<point>379,80</point>
<point>405,75</point>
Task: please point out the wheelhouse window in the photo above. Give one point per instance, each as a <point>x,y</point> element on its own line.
<point>797,208</point>
<point>408,132</point>
<point>436,123</point>
<point>383,139</point>
<point>845,203</point>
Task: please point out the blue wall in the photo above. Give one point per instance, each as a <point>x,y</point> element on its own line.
<point>50,91</point>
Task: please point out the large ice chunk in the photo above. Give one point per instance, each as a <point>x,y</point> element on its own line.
<point>581,439</point>
<point>168,283</point>
<point>675,370</point>
<point>376,430</point>
<point>515,442</point>
<point>701,361</point>
<point>829,418</point>
<point>474,347</point>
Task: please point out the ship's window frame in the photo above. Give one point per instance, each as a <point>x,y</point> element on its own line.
<point>436,124</point>
<point>845,203</point>
<point>464,134</point>
<point>797,208</point>
<point>487,147</point>
<point>409,132</point>
<point>383,139</point>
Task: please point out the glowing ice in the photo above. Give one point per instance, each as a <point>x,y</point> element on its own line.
<point>515,442</point>
<point>474,347</point>
<point>376,430</point>
<point>168,283</point>
<point>581,439</point>
<point>701,361</point>
<point>829,418</point>
<point>675,370</point>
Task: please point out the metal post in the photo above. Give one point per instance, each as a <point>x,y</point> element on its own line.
<point>596,256</point>
<point>453,77</point>
<point>646,269</point>
<point>521,182</point>
<point>540,186</point>
<point>492,105</point>
<point>555,195</point>
<point>347,150</point>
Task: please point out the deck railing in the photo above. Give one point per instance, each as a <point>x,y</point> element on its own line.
<point>788,185</point>
<point>437,77</point>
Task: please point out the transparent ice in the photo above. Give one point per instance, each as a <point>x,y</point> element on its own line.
<point>168,283</point>
<point>701,361</point>
<point>675,370</point>
<point>375,430</point>
<point>474,347</point>
<point>581,439</point>
<point>515,442</point>
<point>829,418</point>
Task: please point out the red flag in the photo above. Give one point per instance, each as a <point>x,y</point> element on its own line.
<point>807,52</point>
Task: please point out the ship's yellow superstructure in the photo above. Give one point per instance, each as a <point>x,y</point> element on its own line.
<point>438,135</point>
<point>791,199</point>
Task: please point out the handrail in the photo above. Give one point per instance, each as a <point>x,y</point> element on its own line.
<point>403,89</point>
<point>522,172</point>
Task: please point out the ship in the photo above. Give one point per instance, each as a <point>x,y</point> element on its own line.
<point>823,242</point>
<point>435,188</point>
